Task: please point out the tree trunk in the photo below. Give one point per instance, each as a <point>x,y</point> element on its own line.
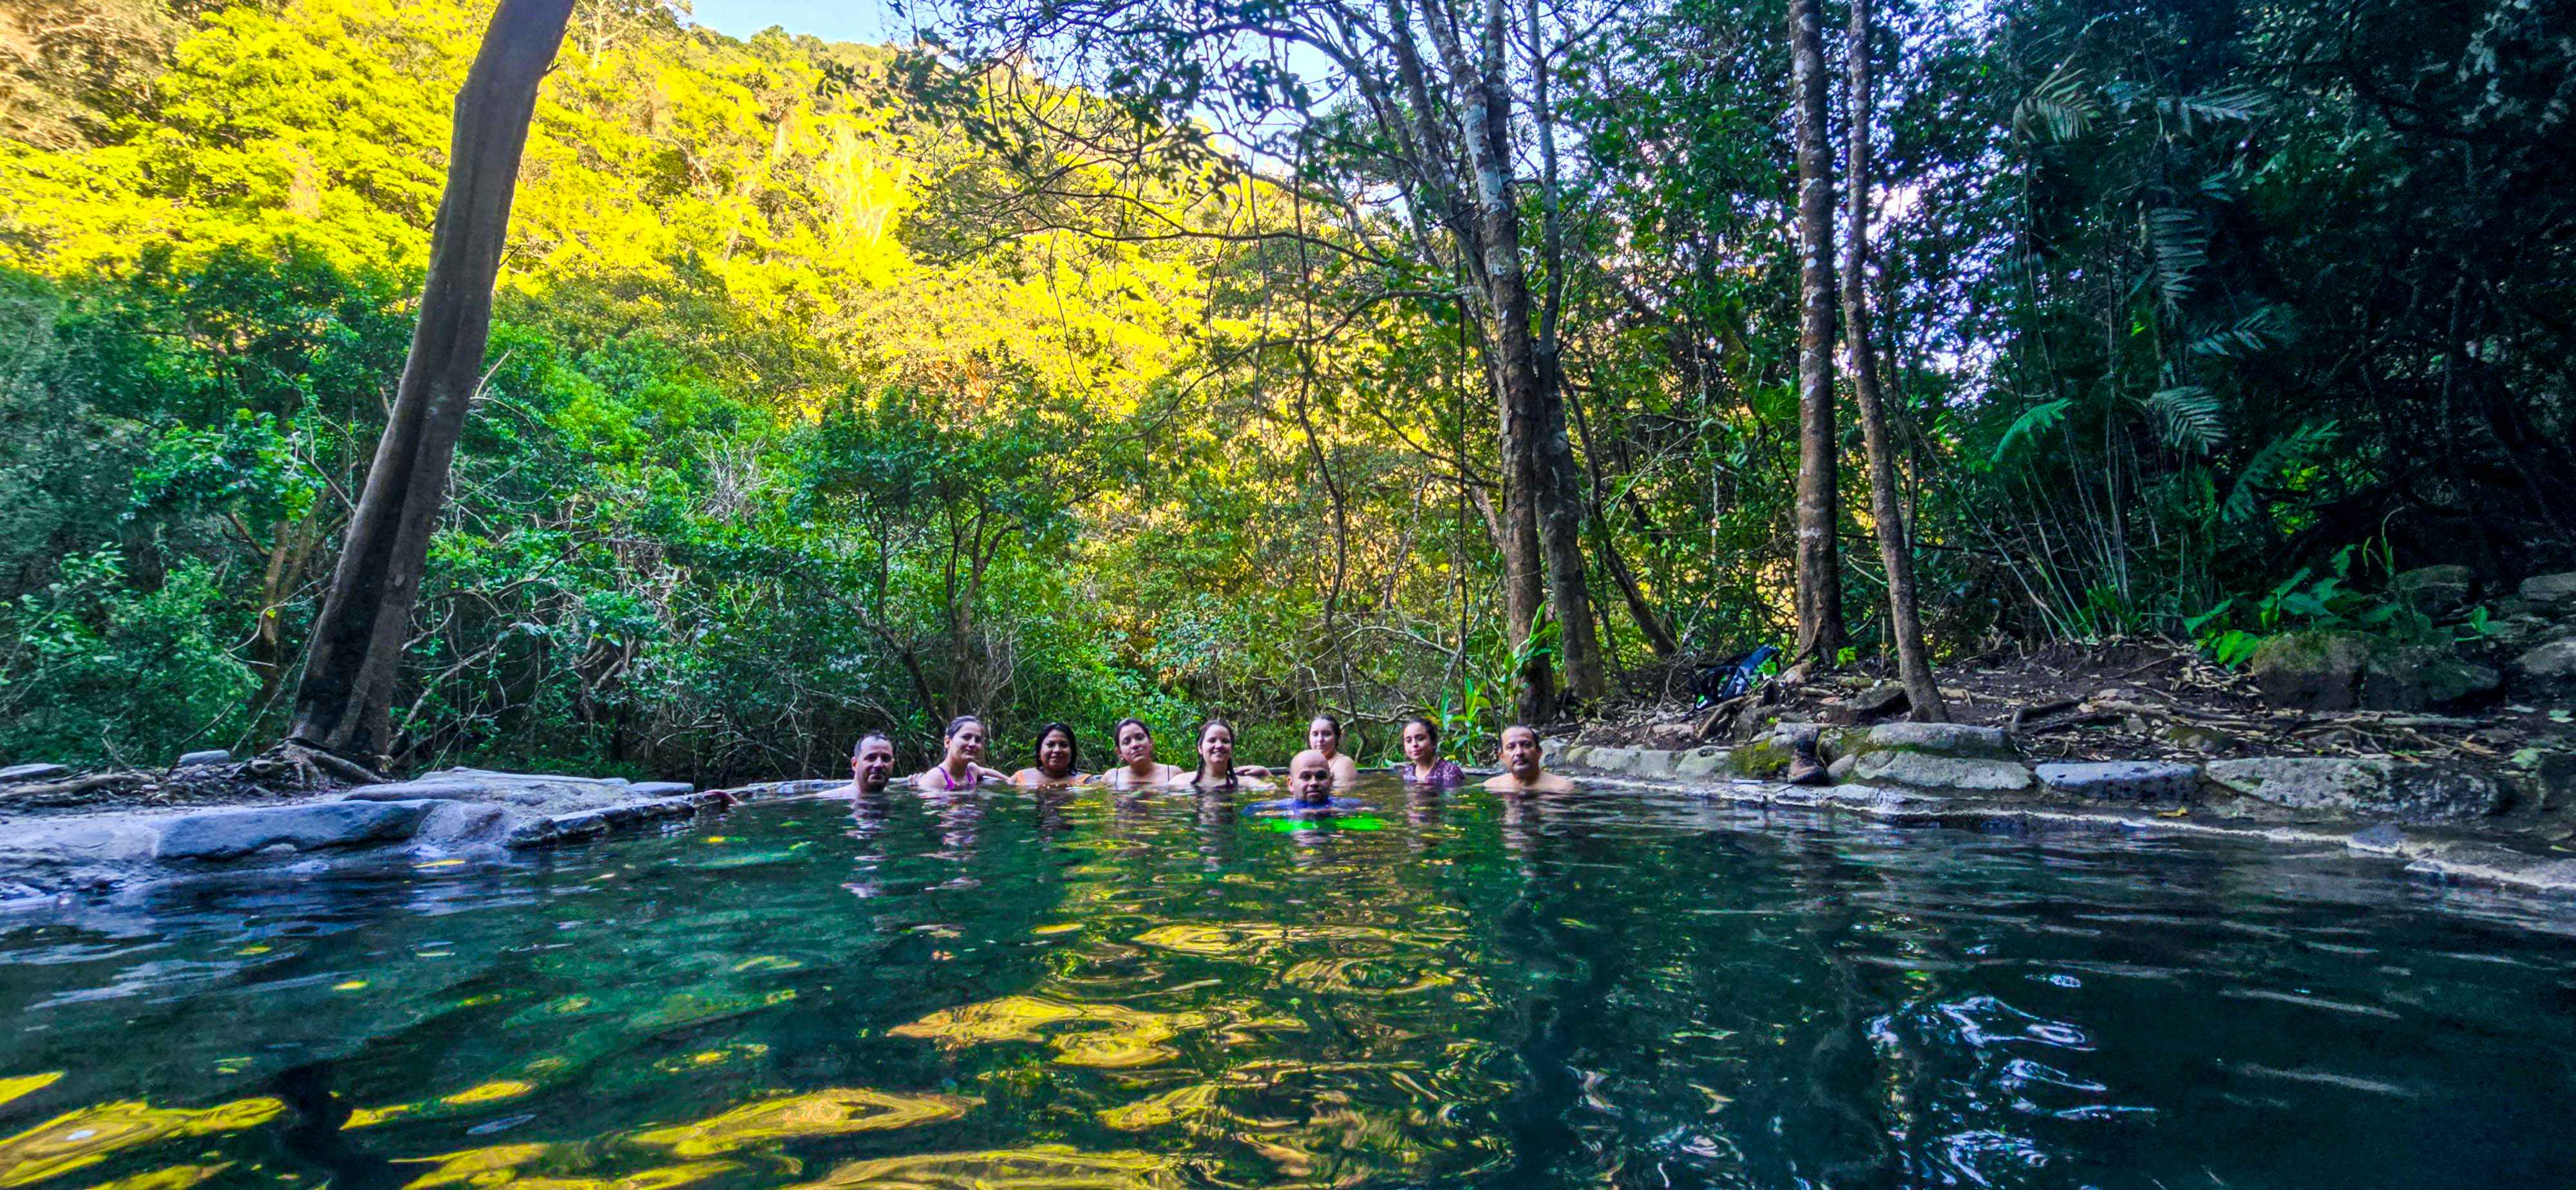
<point>1563,501</point>
<point>1484,117</point>
<point>1911,662</point>
<point>342,703</point>
<point>1820,614</point>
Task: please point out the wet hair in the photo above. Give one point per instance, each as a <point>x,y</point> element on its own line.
<point>1073,746</point>
<point>1218,721</point>
<point>959,723</point>
<point>862,745</point>
<point>1430,728</point>
<point>1120,728</point>
<point>1330,722</point>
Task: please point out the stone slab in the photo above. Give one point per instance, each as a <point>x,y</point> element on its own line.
<point>2550,589</point>
<point>209,756</point>
<point>19,774</point>
<point>1924,770</point>
<point>2123,780</point>
<point>1946,739</point>
<point>562,828</point>
<point>2373,786</point>
<point>231,834</point>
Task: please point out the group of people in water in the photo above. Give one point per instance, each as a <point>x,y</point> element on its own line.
<point>1310,776</point>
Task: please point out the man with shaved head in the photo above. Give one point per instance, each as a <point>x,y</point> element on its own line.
<point>1521,772</point>
<point>1310,780</point>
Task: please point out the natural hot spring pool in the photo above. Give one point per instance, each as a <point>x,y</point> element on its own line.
<point>1016,991</point>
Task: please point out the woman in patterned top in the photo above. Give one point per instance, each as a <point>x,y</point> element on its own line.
<point>1422,764</point>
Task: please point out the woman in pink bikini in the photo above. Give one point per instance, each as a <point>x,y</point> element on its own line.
<point>962,767</point>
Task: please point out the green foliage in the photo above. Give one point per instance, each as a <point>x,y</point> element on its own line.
<point>94,669</point>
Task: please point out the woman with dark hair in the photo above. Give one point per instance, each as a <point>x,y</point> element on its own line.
<point>1422,764</point>
<point>1325,735</point>
<point>1217,769</point>
<point>1058,759</point>
<point>961,767</point>
<point>1137,767</point>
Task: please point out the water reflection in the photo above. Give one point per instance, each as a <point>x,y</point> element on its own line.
<point>1162,988</point>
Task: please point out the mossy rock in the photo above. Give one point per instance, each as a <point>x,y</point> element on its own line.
<point>1764,758</point>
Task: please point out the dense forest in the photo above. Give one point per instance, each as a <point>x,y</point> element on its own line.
<point>1085,358</point>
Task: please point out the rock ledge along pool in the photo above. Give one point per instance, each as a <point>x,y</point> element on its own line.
<point>1017,989</point>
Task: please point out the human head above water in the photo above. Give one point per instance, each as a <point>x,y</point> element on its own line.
<point>1135,741</point>
<point>1421,740</point>
<point>965,737</point>
<point>1324,734</point>
<point>1055,750</point>
<point>1217,743</point>
<point>872,762</point>
<point>1521,750</point>
<point>1310,779</point>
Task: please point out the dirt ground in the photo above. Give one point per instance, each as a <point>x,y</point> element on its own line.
<point>2134,700</point>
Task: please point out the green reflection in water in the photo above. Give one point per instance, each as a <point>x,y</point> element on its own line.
<point>1169,990</point>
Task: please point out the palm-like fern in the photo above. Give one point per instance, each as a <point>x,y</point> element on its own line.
<point>2189,417</point>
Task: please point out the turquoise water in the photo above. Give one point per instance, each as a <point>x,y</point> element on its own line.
<point>1018,990</point>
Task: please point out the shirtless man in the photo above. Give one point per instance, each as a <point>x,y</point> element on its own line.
<point>1310,779</point>
<point>871,765</point>
<point>1521,772</point>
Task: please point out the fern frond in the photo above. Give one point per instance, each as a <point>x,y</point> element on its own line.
<point>2033,420</point>
<point>2279,455</point>
<point>2062,106</point>
<point>2189,417</point>
<point>2267,325</point>
<point>2179,245</point>
<point>2232,104</point>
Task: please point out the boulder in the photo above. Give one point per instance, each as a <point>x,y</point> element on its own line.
<point>2370,786</point>
<point>1765,757</point>
<point>1673,735</point>
<point>59,847</point>
<point>2434,590</point>
<point>21,774</point>
<point>1886,698</point>
<point>2315,671</point>
<point>2122,780</point>
<point>1841,769</point>
<point>2344,671</point>
<point>453,825</point>
<point>230,834</point>
<point>2547,776</point>
<point>1943,739</point>
<point>209,756</point>
<point>2551,662</point>
<point>1926,770</point>
<point>1699,762</point>
<point>2550,590</point>
<point>2449,681</point>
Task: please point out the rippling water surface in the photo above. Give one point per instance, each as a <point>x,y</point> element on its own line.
<point>1085,990</point>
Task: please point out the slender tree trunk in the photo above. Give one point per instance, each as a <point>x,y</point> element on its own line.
<point>342,704</point>
<point>1820,613</point>
<point>1903,623</point>
<point>1484,116</point>
<point>1562,498</point>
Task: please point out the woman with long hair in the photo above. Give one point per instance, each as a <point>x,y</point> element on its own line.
<point>1137,767</point>
<point>962,766</point>
<point>1217,769</point>
<point>1324,735</point>
<point>1059,759</point>
<point>1422,764</point>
